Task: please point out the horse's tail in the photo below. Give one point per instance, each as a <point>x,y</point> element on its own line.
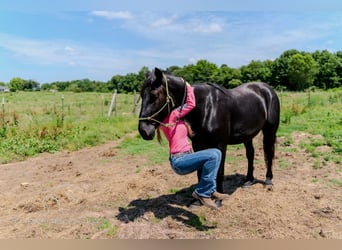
<point>220,88</point>
<point>273,107</point>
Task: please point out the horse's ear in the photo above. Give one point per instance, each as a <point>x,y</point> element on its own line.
<point>159,78</point>
<point>159,74</point>
<point>148,74</point>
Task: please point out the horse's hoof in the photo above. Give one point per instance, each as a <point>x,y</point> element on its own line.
<point>268,181</point>
<point>218,203</point>
<point>247,184</point>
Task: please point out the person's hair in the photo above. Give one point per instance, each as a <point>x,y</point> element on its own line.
<point>159,138</point>
<point>190,132</point>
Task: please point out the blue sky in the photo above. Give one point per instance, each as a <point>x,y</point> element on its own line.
<point>65,40</point>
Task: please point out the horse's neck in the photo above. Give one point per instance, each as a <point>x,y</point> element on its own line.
<point>177,88</point>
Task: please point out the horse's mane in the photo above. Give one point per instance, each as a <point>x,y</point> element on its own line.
<point>169,74</point>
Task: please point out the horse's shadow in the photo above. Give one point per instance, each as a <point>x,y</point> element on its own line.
<point>173,205</point>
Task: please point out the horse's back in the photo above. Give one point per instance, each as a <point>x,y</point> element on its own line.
<point>236,114</point>
<point>266,94</point>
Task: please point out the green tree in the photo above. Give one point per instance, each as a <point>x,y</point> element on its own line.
<point>115,83</point>
<point>339,67</point>
<point>141,78</point>
<point>302,69</point>
<point>30,85</point>
<point>101,87</point>
<point>188,72</point>
<point>60,86</point>
<point>129,83</point>
<point>172,69</point>
<point>329,65</point>
<point>257,71</point>
<point>279,76</point>
<point>227,77</point>
<point>204,71</point>
<point>45,86</point>
<point>16,84</point>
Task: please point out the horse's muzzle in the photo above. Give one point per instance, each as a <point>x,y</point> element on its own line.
<point>146,130</point>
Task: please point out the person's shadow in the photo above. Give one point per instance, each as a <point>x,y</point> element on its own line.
<point>179,206</point>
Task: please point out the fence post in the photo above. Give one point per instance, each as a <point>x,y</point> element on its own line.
<point>62,109</point>
<point>134,101</point>
<point>3,111</point>
<point>115,106</point>
<point>112,104</point>
<point>102,104</point>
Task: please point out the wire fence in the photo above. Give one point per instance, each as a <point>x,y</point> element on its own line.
<point>25,108</point>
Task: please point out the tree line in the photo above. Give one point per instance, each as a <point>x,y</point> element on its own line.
<point>292,70</point>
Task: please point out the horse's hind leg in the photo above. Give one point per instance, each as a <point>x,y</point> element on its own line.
<point>269,141</point>
<point>250,157</point>
<point>220,173</point>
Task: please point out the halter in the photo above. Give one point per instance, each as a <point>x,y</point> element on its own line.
<point>169,100</point>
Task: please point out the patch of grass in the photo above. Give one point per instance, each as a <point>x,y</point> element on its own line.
<point>198,222</point>
<point>155,220</point>
<point>103,224</point>
<point>289,149</point>
<point>283,164</point>
<point>317,164</point>
<point>173,190</point>
<point>138,169</point>
<point>314,180</point>
<point>155,152</point>
<point>336,182</point>
<point>112,230</point>
<point>287,142</point>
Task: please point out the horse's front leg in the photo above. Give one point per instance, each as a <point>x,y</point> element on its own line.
<point>220,172</point>
<point>250,157</point>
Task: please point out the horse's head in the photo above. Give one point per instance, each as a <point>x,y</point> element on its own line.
<point>156,103</point>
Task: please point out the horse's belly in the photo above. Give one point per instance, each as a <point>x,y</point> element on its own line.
<point>242,135</point>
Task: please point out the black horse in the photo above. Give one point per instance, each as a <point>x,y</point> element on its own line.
<point>221,116</point>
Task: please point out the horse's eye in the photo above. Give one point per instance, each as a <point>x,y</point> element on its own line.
<point>153,98</point>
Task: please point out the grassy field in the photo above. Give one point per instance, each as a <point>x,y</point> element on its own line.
<point>315,113</point>
<point>36,122</point>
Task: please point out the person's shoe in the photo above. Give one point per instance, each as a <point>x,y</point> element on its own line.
<point>219,196</point>
<point>208,202</point>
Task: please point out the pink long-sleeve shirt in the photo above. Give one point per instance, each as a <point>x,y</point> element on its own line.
<point>177,133</point>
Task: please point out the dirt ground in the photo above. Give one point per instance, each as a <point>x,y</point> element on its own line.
<point>100,193</point>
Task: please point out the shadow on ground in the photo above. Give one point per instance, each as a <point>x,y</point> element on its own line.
<point>179,206</point>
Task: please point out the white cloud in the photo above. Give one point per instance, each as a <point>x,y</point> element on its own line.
<point>180,24</point>
<point>208,28</point>
<point>93,61</point>
<point>112,14</point>
<point>162,22</point>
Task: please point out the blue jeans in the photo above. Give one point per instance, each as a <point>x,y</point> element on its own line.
<point>207,160</point>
